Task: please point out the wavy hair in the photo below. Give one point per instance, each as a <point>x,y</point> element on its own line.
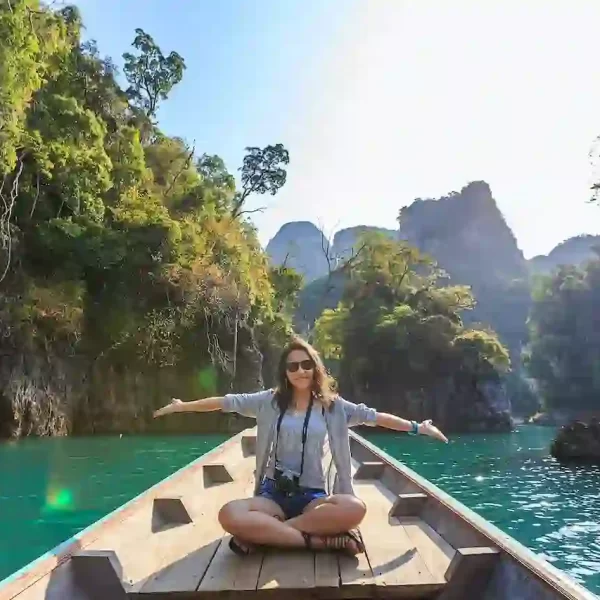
<point>323,386</point>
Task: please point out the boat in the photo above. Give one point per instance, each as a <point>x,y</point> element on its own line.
<point>167,544</point>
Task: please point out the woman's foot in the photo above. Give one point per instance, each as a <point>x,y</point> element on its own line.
<point>240,547</point>
<point>349,542</point>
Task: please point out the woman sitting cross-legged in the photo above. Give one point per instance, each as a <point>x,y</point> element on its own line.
<point>290,507</point>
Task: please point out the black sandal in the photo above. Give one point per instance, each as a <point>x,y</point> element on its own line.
<point>340,541</point>
<point>307,540</point>
<point>337,542</point>
<point>240,550</point>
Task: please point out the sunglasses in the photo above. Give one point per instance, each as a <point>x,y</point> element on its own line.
<point>307,365</point>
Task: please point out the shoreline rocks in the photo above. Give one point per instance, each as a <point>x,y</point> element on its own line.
<point>578,442</point>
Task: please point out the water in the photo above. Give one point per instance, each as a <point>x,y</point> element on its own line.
<point>50,489</point>
<point>510,480</point>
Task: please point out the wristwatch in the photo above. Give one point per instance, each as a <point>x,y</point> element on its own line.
<point>415,428</point>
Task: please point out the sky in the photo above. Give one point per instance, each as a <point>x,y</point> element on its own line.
<point>380,102</point>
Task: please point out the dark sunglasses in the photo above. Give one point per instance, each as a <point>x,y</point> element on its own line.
<point>307,365</point>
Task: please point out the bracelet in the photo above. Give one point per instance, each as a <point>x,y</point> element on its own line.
<point>415,428</point>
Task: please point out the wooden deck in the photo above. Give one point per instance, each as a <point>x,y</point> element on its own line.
<point>168,544</point>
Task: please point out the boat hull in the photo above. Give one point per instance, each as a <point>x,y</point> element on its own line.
<point>167,543</point>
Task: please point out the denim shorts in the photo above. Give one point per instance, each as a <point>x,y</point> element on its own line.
<point>292,505</point>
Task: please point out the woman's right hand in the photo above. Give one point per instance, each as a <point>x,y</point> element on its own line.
<point>172,407</point>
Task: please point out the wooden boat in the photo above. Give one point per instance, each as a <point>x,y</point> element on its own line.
<point>167,543</point>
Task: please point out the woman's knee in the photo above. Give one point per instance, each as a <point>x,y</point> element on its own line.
<point>232,515</point>
<point>228,513</point>
<point>354,508</point>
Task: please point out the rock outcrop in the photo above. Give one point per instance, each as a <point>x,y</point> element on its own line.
<point>300,245</point>
<point>578,442</point>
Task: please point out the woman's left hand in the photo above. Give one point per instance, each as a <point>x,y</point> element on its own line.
<point>428,428</point>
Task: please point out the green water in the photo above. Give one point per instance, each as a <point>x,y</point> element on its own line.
<point>53,488</point>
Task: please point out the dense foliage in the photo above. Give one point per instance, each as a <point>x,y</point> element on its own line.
<point>564,351</point>
<point>120,249</point>
<point>398,337</point>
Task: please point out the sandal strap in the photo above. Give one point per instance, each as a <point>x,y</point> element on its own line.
<point>337,542</point>
<point>307,540</point>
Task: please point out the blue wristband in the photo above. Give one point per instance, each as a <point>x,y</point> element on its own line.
<point>415,428</point>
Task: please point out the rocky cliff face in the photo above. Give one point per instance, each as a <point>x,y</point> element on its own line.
<point>467,234</point>
<point>345,240</point>
<point>303,246</point>
<point>300,245</point>
<point>573,251</point>
<point>45,392</point>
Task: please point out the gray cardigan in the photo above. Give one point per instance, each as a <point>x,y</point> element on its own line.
<point>343,414</point>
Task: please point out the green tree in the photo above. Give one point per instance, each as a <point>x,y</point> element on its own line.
<point>150,74</point>
<point>262,172</point>
<point>399,338</point>
<point>126,274</point>
<point>563,355</point>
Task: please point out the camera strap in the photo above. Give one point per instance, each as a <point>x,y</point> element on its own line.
<point>304,433</point>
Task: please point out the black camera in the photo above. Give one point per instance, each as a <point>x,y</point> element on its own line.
<point>286,482</point>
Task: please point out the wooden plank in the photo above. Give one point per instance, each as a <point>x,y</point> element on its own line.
<point>369,470</point>
<point>327,570</point>
<point>469,572</point>
<point>183,555</point>
<point>409,505</point>
<point>356,576</point>
<point>396,562</point>
<point>248,443</point>
<point>283,571</point>
<point>60,585</point>
<point>169,512</point>
<point>175,557</point>
<point>451,526</point>
<point>216,474</point>
<point>435,551</point>
<point>231,573</point>
<point>99,574</point>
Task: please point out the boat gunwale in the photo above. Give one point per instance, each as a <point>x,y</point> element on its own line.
<point>43,565</point>
<point>549,574</point>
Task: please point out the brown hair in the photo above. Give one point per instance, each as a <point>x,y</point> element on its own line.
<point>323,387</point>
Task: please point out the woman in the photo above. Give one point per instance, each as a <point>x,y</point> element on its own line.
<point>290,507</point>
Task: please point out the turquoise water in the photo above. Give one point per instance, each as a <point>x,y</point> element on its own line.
<point>52,488</point>
<point>510,480</point>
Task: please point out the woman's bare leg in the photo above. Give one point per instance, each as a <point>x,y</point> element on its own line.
<point>330,516</point>
<point>259,521</point>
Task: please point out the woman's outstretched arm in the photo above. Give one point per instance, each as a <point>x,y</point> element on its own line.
<point>203,405</point>
<point>247,405</point>
<point>398,424</point>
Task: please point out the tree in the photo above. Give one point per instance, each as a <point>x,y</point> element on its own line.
<point>262,173</point>
<point>151,75</point>
<point>563,355</point>
<point>124,274</point>
<point>397,336</point>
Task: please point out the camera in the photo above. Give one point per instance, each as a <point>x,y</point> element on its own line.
<point>286,482</point>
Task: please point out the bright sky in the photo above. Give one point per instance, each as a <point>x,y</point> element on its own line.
<point>383,101</point>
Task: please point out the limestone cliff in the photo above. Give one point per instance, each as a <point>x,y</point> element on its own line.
<point>574,251</point>
<point>466,233</point>
<point>300,245</point>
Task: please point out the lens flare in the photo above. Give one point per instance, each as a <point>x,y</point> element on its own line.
<point>59,500</point>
